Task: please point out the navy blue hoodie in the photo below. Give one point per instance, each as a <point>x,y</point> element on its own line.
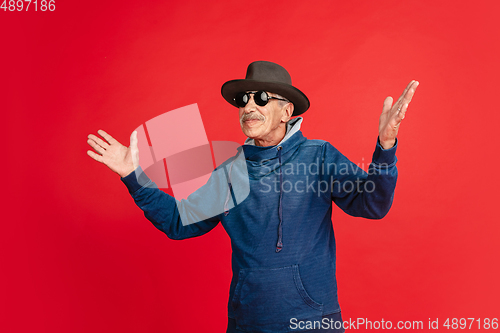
<point>282,238</point>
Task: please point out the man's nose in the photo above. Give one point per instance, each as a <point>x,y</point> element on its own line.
<point>251,106</point>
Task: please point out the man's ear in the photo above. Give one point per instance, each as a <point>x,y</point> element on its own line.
<point>288,111</point>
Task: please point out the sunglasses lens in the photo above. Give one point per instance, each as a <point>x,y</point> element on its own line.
<point>261,98</point>
<point>241,99</point>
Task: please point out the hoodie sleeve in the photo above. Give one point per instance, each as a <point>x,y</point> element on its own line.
<point>177,219</point>
<point>359,193</point>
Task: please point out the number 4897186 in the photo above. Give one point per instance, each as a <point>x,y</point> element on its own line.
<point>461,323</point>
<point>20,5</point>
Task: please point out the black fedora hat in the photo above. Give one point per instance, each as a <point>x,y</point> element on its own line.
<point>268,76</point>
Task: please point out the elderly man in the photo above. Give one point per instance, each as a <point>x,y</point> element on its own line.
<point>283,244</point>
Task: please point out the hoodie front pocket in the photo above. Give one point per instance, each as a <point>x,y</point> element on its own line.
<point>267,300</point>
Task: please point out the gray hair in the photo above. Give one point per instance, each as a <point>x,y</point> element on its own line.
<point>280,103</point>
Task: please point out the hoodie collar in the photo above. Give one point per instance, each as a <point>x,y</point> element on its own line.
<point>292,139</point>
<point>292,126</point>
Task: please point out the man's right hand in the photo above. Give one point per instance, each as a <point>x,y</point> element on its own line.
<point>120,159</point>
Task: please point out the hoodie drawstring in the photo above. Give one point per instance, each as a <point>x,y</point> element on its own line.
<point>279,244</point>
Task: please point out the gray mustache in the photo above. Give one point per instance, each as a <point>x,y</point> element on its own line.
<point>252,116</point>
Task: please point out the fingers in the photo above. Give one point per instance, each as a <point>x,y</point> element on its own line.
<point>96,146</point>
<point>99,141</point>
<point>134,149</point>
<point>405,91</point>
<point>95,156</point>
<point>409,85</point>
<point>133,140</point>
<point>407,94</point>
<point>402,111</point>
<point>387,104</point>
<point>407,88</point>
<point>106,136</point>
<point>409,91</point>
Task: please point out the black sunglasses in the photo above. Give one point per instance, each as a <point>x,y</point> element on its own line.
<point>260,98</point>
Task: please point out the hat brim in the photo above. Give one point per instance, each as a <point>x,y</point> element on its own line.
<point>294,95</point>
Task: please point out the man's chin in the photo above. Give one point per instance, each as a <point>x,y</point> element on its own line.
<point>252,134</point>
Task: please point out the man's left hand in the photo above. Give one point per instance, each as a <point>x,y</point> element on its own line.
<point>392,115</point>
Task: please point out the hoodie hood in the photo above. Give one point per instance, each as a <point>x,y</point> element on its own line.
<point>292,126</point>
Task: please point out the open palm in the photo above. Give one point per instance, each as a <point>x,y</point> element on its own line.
<point>120,159</point>
<point>393,114</point>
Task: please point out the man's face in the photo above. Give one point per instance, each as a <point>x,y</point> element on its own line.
<point>265,124</point>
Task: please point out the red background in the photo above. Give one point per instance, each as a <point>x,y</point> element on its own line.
<point>76,254</point>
